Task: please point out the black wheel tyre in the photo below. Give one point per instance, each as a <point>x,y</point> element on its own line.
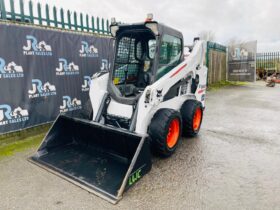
<point>188,112</point>
<point>159,131</point>
<point>86,112</point>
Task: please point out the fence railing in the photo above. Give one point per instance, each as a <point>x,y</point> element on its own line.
<point>269,61</point>
<point>52,17</point>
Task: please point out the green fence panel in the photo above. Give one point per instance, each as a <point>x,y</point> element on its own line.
<point>99,25</point>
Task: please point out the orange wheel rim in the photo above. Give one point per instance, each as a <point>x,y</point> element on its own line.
<point>173,133</point>
<point>197,118</point>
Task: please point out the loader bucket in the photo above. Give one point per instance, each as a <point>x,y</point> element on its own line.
<point>103,160</point>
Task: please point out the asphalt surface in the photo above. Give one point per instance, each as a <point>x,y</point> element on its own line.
<point>234,163</point>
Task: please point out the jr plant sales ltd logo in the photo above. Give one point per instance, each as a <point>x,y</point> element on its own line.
<point>66,69</point>
<point>11,70</point>
<point>70,105</point>
<point>239,54</point>
<point>88,50</point>
<point>32,47</point>
<point>86,85</point>
<point>10,116</point>
<point>105,65</point>
<point>41,90</point>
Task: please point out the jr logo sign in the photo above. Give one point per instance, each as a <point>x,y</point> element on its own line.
<point>239,54</point>
<point>9,116</point>
<point>86,85</point>
<point>40,90</point>
<point>88,51</point>
<point>105,65</point>
<point>70,105</point>
<point>34,48</point>
<point>12,70</point>
<point>66,69</point>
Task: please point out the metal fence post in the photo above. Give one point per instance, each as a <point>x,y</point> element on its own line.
<point>12,6</point>
<point>92,24</point>
<point>75,21</point>
<point>3,10</point>
<point>55,16</point>
<point>39,13</point>
<point>69,19</point>
<point>21,6</point>
<point>62,18</point>
<point>31,11</point>
<point>48,15</point>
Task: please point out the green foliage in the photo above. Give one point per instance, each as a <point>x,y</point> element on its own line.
<point>221,84</point>
<point>21,140</point>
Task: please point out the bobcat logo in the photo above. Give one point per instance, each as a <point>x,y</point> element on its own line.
<point>86,85</point>
<point>66,69</point>
<point>9,116</point>
<point>70,105</point>
<point>11,70</point>
<point>34,48</point>
<point>159,93</point>
<point>40,90</point>
<point>88,51</point>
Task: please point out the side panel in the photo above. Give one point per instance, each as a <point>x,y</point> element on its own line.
<point>194,64</point>
<point>201,89</point>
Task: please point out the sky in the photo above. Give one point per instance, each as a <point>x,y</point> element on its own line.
<point>239,20</point>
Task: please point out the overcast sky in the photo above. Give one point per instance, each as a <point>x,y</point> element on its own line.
<point>243,20</point>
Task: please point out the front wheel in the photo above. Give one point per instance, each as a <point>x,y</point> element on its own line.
<point>192,114</point>
<point>165,131</point>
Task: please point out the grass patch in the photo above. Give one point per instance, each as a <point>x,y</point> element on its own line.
<point>21,140</point>
<point>221,84</point>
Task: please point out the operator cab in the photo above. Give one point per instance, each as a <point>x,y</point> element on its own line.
<point>144,53</point>
<point>135,53</point>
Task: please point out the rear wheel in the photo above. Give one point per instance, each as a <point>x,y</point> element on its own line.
<point>165,131</point>
<point>192,114</point>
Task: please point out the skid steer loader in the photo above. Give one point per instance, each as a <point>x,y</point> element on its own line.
<point>151,96</point>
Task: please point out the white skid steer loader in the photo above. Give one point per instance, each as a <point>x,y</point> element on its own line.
<point>151,96</point>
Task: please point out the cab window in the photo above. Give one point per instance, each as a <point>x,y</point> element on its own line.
<point>170,54</point>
